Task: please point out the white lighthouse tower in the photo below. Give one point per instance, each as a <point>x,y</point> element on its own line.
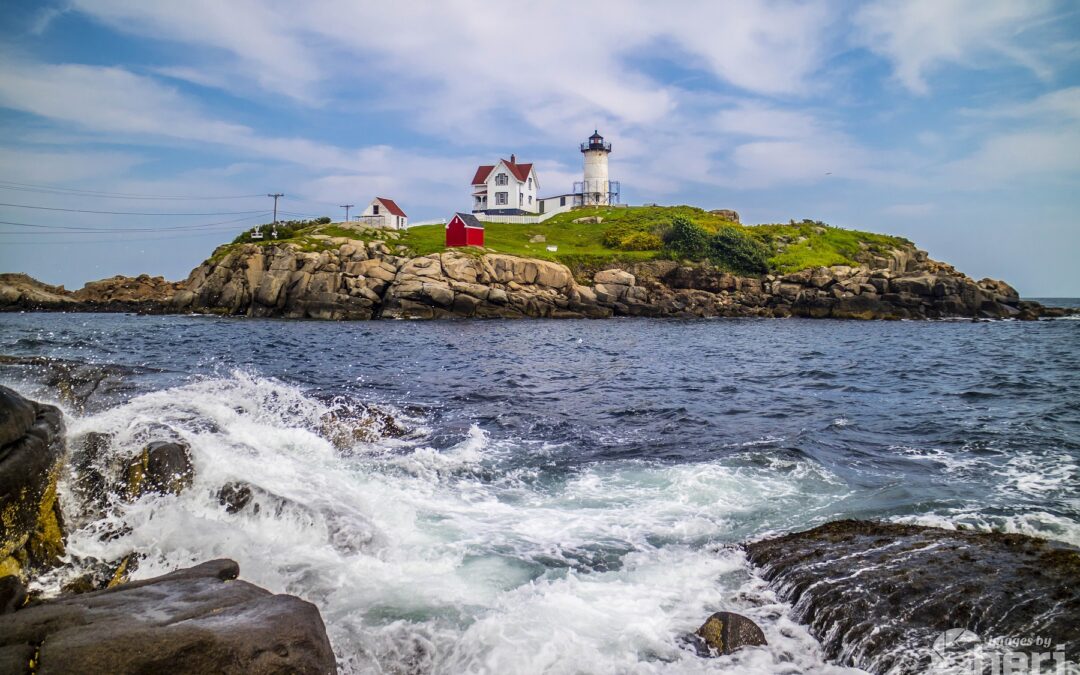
<point>597,188</point>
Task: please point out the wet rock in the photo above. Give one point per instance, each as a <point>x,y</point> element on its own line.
<point>97,574</point>
<point>725,633</point>
<point>235,496</point>
<point>196,620</point>
<point>31,525</point>
<point>877,594</point>
<point>161,467</point>
<point>348,424</point>
<point>12,594</point>
<point>81,385</point>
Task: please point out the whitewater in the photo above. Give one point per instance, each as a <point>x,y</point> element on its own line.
<point>557,497</point>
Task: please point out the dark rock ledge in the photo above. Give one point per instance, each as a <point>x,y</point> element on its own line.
<point>876,595</point>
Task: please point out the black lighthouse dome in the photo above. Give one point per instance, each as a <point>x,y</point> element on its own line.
<point>596,142</point>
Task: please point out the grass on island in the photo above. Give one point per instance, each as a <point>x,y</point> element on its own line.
<point>626,235</point>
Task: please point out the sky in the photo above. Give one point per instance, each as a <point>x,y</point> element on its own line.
<point>161,126</point>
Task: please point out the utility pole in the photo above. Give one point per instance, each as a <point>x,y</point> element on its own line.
<point>347,207</point>
<point>275,196</point>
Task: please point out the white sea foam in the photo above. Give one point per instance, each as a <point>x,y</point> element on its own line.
<point>462,560</point>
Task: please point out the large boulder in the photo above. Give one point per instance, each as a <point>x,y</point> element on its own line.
<point>877,595</point>
<point>196,620</point>
<point>614,276</point>
<point>32,452</point>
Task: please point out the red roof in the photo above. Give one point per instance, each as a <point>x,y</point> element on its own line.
<point>482,173</point>
<point>392,207</point>
<point>520,171</point>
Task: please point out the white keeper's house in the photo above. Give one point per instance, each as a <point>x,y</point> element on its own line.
<point>505,189</point>
<point>511,189</point>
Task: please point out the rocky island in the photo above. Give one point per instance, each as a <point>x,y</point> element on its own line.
<point>648,261</point>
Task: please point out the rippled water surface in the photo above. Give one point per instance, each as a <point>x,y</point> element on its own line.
<point>569,495</point>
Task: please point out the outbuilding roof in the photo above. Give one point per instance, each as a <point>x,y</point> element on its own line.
<point>391,206</point>
<point>470,220</point>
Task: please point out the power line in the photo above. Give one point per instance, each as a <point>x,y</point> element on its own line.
<point>124,240</point>
<point>124,213</point>
<point>31,187</point>
<point>72,229</point>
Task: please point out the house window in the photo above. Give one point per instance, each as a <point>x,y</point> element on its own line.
<point>562,201</point>
<point>530,199</point>
<point>521,199</point>
<point>500,179</point>
<point>502,198</point>
<point>375,209</point>
<point>530,183</point>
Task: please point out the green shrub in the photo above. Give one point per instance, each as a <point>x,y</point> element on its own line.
<point>641,241</point>
<point>686,240</point>
<point>613,236</point>
<point>738,250</point>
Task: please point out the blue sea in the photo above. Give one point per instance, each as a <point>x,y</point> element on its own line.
<point>565,496</point>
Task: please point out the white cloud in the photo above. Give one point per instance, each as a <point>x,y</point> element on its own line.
<point>461,66</point>
<point>1012,156</point>
<point>919,36</point>
<point>1062,104</point>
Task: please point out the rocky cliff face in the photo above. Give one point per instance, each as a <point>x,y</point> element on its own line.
<point>352,279</point>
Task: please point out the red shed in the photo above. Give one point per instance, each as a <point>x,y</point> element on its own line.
<point>464,230</point>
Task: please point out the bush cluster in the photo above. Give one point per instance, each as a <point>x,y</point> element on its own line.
<point>631,237</point>
<point>730,246</point>
<point>686,240</point>
<point>733,247</point>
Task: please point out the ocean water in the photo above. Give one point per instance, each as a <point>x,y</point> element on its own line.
<point>567,496</point>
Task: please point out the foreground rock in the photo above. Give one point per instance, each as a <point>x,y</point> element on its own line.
<point>877,595</point>
<point>32,453</point>
<point>196,620</point>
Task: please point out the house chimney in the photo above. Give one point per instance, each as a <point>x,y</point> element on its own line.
<point>513,158</point>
